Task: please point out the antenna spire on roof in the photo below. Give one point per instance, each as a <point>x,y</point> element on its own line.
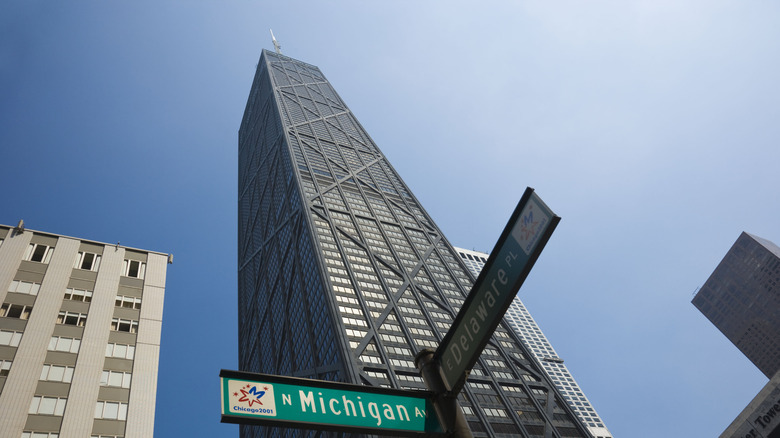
<point>277,46</point>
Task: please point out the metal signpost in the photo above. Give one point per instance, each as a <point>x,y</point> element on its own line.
<point>263,399</point>
<point>520,244</point>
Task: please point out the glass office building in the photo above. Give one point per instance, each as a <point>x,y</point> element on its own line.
<point>526,327</point>
<point>342,274</point>
<point>742,299</point>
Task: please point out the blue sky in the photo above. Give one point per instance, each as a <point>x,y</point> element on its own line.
<point>650,127</point>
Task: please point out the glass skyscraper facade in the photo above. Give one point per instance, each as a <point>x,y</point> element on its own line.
<point>525,326</point>
<point>342,274</point>
<point>742,299</point>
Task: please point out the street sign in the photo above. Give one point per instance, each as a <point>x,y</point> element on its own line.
<point>264,399</point>
<point>520,244</point>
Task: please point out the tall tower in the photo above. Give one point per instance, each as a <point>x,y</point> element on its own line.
<point>80,328</point>
<point>526,327</point>
<point>342,274</point>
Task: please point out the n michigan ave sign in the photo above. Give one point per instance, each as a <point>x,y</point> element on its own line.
<point>263,399</point>
<point>520,244</point>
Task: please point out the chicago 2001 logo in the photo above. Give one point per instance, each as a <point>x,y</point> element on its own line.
<point>252,398</point>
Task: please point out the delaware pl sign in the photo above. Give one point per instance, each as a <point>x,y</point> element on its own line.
<point>263,399</point>
<point>520,244</point>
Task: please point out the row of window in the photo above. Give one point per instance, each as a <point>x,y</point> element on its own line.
<point>63,373</point>
<point>57,373</point>
<point>29,288</point>
<point>15,311</point>
<point>118,379</point>
<point>24,287</point>
<point>10,338</point>
<point>63,344</point>
<point>37,252</point>
<point>111,410</point>
<point>47,405</point>
<point>105,410</point>
<point>70,345</point>
<point>78,295</point>
<point>29,434</point>
<point>68,318</point>
<point>87,261</point>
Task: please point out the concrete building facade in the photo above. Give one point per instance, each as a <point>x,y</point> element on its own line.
<point>80,333</point>
<point>526,327</point>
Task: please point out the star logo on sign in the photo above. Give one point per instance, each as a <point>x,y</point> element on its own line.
<point>528,226</point>
<point>251,395</point>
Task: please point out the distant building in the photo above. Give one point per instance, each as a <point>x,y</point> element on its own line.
<point>761,417</point>
<point>524,325</point>
<point>343,276</point>
<point>79,336</point>
<point>742,299</point>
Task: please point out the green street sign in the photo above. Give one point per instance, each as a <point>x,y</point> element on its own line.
<point>264,399</point>
<point>520,244</point>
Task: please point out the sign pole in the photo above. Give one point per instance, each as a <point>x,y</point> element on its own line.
<point>444,402</point>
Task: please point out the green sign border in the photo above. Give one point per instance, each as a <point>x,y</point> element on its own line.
<point>502,266</point>
<point>432,426</point>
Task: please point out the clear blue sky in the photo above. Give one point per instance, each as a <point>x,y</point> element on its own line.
<point>650,127</point>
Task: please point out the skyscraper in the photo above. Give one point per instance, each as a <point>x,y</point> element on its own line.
<point>342,274</point>
<point>526,327</point>
<point>80,328</point>
<point>742,299</point>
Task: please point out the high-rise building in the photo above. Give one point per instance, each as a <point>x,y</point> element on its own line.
<point>760,417</point>
<point>342,274</point>
<point>526,327</point>
<point>79,336</point>
<point>742,299</point>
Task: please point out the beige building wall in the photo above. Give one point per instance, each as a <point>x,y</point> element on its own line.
<point>94,324</point>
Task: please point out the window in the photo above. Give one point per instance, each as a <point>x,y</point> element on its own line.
<point>124,325</point>
<point>38,253</point>
<point>115,378</point>
<point>68,345</point>
<point>494,412</point>
<point>5,365</point>
<point>134,268</point>
<point>72,318</point>
<point>128,302</point>
<point>28,434</point>
<point>121,351</point>
<point>24,287</point>
<point>87,261</point>
<point>78,295</point>
<point>47,405</point>
<point>10,338</point>
<point>15,311</point>
<point>111,410</point>
<point>57,373</point>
